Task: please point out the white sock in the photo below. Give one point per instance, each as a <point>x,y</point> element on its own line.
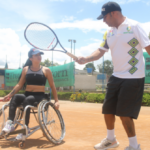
<point>110,134</point>
<point>133,142</point>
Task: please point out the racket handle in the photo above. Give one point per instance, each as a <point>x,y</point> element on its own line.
<point>72,56</point>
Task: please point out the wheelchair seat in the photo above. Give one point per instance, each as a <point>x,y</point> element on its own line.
<point>35,104</point>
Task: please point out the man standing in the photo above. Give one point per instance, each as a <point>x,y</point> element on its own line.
<point>125,39</point>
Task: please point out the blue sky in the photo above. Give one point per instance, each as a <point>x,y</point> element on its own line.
<point>70,19</point>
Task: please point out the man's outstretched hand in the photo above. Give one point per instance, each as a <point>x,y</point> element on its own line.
<point>81,60</point>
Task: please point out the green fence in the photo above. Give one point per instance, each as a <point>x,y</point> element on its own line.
<point>63,75</point>
<point>147,67</point>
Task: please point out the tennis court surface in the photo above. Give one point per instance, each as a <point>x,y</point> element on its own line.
<point>85,127</point>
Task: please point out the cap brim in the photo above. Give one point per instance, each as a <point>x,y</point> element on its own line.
<point>100,17</point>
<point>37,53</point>
<point>41,53</point>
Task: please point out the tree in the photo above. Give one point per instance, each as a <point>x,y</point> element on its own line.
<point>108,67</point>
<point>89,65</point>
<point>48,63</point>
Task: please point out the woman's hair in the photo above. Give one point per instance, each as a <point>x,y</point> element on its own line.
<point>28,63</point>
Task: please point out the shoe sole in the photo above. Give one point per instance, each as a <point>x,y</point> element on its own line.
<point>114,146</point>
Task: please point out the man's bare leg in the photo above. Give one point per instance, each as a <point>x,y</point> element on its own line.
<point>110,121</point>
<point>110,124</point>
<point>129,127</point>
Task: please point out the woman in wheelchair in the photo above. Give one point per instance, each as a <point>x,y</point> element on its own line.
<point>33,77</point>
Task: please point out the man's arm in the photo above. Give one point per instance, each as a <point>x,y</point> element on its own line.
<point>148,49</point>
<point>94,56</point>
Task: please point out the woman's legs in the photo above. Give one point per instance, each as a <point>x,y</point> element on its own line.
<point>16,101</point>
<point>30,100</point>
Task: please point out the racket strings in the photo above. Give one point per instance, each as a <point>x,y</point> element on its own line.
<point>41,36</point>
<point>51,43</point>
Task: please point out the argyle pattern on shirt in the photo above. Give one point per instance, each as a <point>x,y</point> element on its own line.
<point>133,52</point>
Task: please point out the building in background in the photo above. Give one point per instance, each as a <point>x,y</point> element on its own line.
<point>89,81</point>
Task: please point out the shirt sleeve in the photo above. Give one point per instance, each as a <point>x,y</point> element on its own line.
<point>141,36</point>
<point>104,46</point>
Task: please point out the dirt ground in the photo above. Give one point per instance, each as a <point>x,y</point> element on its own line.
<point>85,127</point>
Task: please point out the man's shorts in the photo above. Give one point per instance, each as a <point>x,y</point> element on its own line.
<point>123,97</point>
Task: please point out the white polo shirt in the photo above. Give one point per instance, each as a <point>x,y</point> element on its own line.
<point>126,45</point>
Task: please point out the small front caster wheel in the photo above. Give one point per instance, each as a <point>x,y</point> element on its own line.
<point>21,145</point>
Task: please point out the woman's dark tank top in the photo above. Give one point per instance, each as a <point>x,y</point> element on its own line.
<point>35,77</point>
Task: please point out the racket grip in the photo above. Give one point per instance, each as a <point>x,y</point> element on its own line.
<point>72,56</point>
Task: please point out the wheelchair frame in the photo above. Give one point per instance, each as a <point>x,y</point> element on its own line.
<point>41,118</point>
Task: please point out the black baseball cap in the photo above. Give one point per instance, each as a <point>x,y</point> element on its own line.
<point>109,7</point>
<point>34,51</point>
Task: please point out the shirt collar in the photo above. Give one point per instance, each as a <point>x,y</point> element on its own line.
<point>125,22</point>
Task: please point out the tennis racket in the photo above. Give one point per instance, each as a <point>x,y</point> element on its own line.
<point>44,38</point>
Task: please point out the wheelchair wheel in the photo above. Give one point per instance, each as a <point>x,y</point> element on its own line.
<point>51,122</point>
<point>6,112</point>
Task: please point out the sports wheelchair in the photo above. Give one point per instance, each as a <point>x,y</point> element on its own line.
<point>49,119</point>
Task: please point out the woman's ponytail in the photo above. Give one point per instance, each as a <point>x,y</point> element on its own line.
<point>28,63</point>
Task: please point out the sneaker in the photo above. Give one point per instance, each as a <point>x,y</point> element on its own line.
<point>131,148</point>
<point>9,127</point>
<point>20,135</point>
<point>105,144</point>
